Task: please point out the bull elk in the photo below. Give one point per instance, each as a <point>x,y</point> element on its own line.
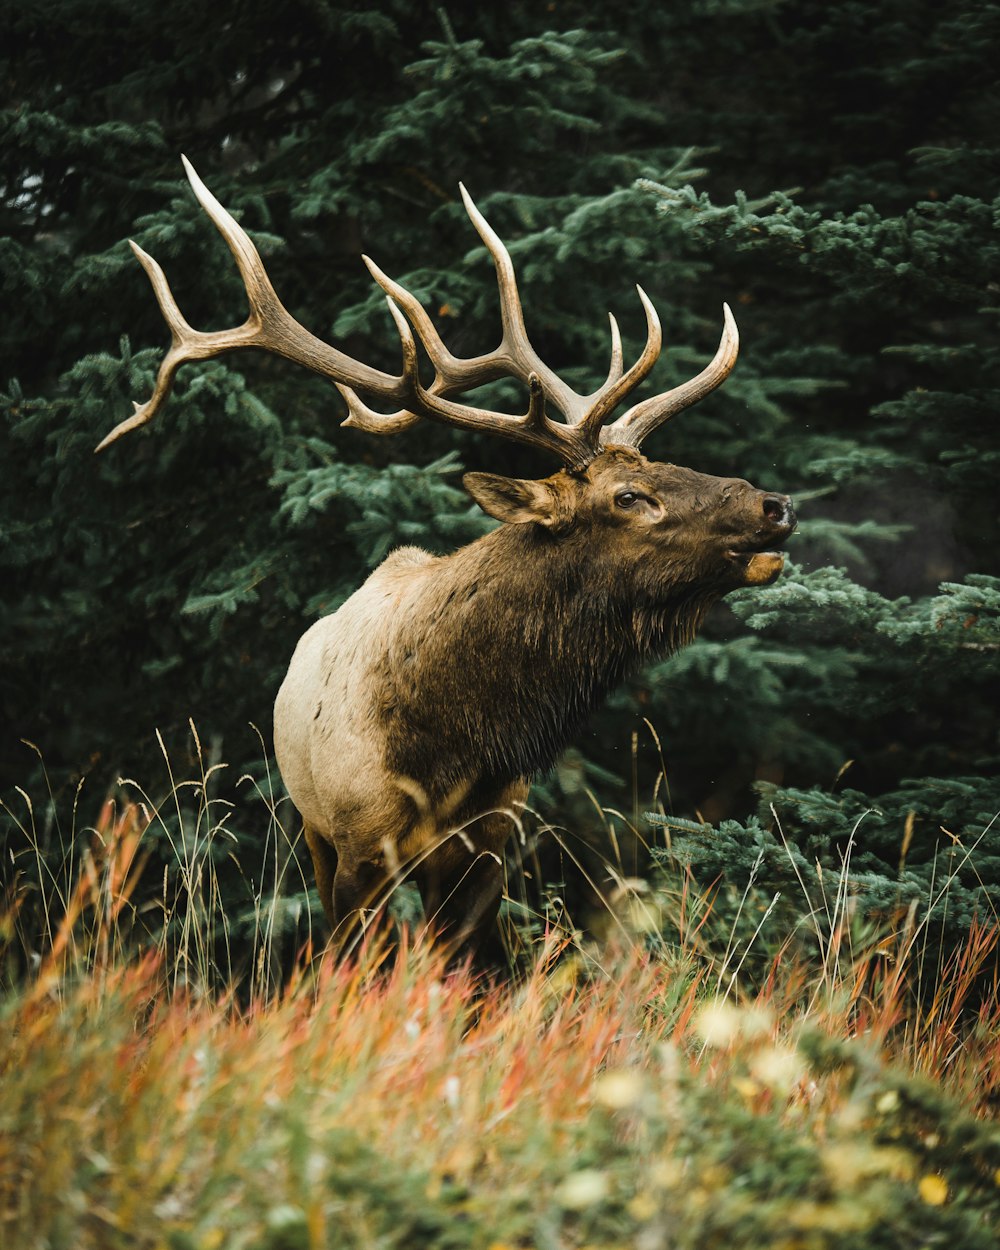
<point>411,720</point>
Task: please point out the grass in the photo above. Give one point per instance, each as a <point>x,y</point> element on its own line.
<point>613,1094</point>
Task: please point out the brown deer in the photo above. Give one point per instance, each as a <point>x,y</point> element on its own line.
<point>412,719</point>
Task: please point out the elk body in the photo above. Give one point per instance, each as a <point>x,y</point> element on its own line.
<point>411,720</point>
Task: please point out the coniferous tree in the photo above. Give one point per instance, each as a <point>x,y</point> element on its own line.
<point>831,171</point>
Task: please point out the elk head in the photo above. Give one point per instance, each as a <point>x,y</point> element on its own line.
<point>686,528</point>
<point>721,533</point>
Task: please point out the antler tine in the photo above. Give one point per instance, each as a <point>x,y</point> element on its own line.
<point>260,292</point>
<point>617,359</point>
<point>451,372</point>
<point>515,349</point>
<point>604,400</point>
<point>634,426</point>
<point>360,416</point>
<point>180,333</point>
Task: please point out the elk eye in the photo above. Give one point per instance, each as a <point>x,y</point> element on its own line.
<point>627,499</point>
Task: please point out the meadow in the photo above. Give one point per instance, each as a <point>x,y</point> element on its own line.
<point>695,1077</point>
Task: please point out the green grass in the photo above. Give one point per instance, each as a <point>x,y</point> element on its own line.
<point>613,1094</point>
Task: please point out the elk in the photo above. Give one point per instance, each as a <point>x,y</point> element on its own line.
<point>412,719</point>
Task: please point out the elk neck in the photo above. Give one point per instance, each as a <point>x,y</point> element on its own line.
<point>509,644</point>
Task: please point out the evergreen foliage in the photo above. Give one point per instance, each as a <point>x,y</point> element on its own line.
<point>832,171</point>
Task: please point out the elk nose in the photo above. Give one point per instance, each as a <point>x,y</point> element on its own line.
<point>778,510</point>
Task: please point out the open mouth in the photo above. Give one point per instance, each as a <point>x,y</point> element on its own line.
<point>758,566</point>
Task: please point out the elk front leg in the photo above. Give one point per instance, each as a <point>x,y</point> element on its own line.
<point>324,859</point>
<point>461,904</point>
<point>461,883</point>
<point>359,895</point>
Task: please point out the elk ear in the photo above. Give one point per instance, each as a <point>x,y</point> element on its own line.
<point>514,499</point>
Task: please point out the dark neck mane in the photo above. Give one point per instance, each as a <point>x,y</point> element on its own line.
<point>517,639</point>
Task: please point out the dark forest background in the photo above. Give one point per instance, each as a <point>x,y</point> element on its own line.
<point>832,171</point>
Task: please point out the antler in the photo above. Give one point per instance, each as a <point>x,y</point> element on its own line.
<point>576,440</point>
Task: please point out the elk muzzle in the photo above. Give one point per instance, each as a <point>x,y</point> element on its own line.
<point>757,562</point>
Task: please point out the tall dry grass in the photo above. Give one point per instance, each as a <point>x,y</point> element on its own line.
<point>635,1091</point>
